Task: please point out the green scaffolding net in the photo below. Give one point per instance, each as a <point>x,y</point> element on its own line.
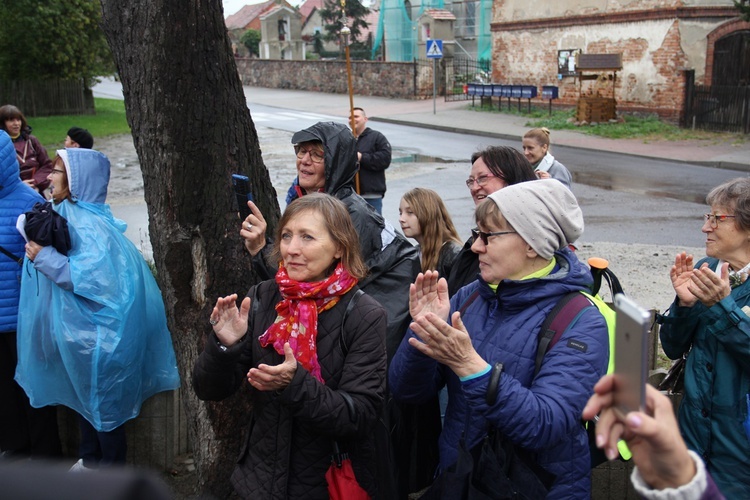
<point>484,41</point>
<point>397,30</point>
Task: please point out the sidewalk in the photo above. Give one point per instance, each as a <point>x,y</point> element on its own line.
<point>459,117</point>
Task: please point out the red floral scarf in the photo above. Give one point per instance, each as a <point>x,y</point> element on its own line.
<point>297,314</point>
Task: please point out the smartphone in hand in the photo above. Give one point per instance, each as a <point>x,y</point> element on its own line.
<point>631,355</point>
<point>242,193</point>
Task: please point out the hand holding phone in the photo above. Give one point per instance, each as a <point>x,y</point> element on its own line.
<point>242,193</point>
<point>631,354</point>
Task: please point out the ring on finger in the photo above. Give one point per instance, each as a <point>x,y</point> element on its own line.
<point>213,321</point>
<point>248,226</point>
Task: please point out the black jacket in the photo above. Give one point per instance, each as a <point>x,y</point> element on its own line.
<point>447,257</point>
<point>392,266</point>
<point>291,432</point>
<point>465,268</point>
<point>376,157</point>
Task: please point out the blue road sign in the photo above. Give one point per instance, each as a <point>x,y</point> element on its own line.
<point>434,49</point>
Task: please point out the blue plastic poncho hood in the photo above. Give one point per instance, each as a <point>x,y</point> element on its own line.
<point>88,174</point>
<point>103,347</point>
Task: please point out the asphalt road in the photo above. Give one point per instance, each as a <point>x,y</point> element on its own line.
<point>625,199</point>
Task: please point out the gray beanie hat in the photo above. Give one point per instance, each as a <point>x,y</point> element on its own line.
<point>545,213</point>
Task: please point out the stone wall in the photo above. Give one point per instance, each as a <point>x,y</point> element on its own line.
<point>386,79</point>
<point>658,42</point>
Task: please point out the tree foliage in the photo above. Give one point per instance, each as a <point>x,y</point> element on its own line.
<point>251,40</point>
<point>355,14</point>
<point>744,7</point>
<point>52,39</point>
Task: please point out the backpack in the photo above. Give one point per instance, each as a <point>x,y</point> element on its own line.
<point>561,317</point>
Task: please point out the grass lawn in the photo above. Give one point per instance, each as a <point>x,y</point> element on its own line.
<point>631,127</point>
<point>108,120</point>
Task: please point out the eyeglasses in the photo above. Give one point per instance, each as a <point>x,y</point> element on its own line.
<point>476,233</point>
<point>714,219</point>
<point>481,180</point>
<point>315,156</point>
<point>57,171</point>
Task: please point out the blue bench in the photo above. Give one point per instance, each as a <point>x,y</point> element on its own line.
<point>490,90</point>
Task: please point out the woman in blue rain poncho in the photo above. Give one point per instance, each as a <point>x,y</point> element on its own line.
<point>92,332</point>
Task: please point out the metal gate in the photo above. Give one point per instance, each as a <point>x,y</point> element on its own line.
<point>459,72</point>
<point>717,107</point>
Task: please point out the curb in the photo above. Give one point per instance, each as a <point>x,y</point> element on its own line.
<point>724,165</point>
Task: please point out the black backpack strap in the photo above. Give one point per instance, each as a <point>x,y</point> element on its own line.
<point>556,322</point>
<point>349,308</point>
<point>469,300</point>
<point>11,256</point>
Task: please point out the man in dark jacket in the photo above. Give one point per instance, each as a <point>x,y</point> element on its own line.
<point>374,156</point>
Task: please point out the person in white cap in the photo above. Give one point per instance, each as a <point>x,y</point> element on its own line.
<point>482,343</point>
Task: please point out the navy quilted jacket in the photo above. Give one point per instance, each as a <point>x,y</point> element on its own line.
<point>15,199</point>
<point>541,414</point>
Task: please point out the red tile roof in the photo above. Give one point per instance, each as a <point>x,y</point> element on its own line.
<point>440,14</point>
<point>308,6</point>
<point>246,15</point>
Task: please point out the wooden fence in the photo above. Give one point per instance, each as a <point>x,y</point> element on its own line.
<point>48,98</point>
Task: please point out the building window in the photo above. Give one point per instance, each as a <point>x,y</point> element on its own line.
<point>470,19</point>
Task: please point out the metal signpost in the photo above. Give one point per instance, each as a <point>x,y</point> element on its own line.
<point>434,52</point>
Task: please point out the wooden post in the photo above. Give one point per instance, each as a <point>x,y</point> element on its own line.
<point>345,32</point>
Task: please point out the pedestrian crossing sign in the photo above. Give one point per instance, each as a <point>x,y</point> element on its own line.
<point>434,49</point>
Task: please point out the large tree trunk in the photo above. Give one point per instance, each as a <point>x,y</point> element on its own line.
<point>192,129</point>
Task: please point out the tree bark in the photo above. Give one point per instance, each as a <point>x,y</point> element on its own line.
<point>192,129</point>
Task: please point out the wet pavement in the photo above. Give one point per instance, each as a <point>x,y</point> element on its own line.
<point>730,151</point>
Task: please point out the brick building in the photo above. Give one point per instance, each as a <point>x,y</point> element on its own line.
<point>658,39</point>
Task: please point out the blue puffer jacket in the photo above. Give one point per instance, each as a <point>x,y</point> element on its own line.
<point>717,382</point>
<point>542,414</point>
<point>15,199</point>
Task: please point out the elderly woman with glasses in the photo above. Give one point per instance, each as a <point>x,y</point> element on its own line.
<point>492,169</point>
<point>709,322</point>
<point>482,343</point>
<point>92,331</point>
